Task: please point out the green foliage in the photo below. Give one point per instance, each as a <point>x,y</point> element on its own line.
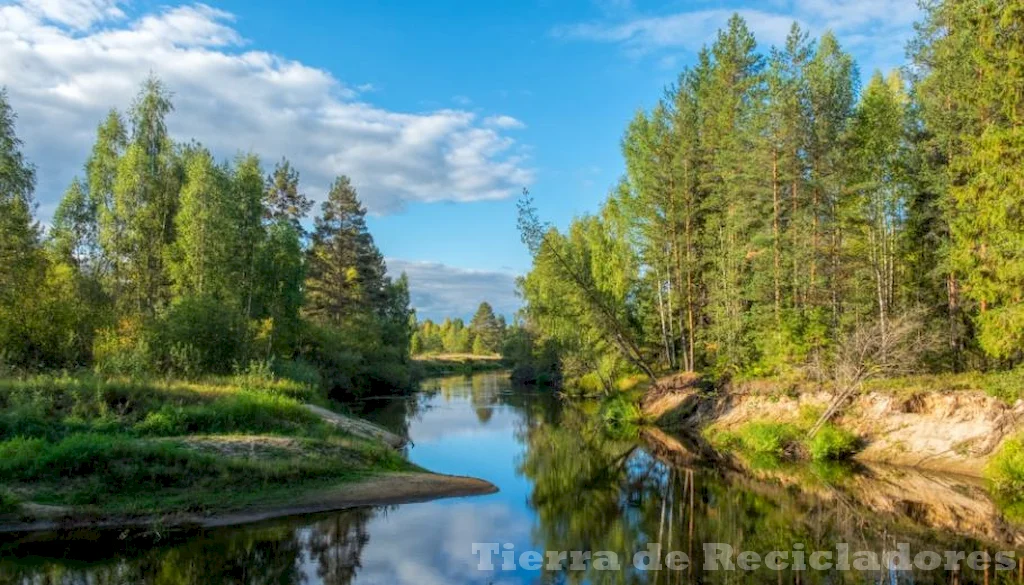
<point>767,438</point>
<point>622,415</point>
<point>1005,469</point>
<point>8,502</point>
<point>162,261</point>
<point>779,440</point>
<point>486,330</point>
<point>1007,386</point>
<point>299,371</point>
<point>832,443</point>
<point>200,335</point>
<point>124,350</point>
<point>154,446</point>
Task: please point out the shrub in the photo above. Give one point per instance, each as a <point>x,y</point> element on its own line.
<point>8,502</point>
<point>299,371</point>
<point>1008,385</point>
<point>767,438</point>
<point>832,443</point>
<point>124,350</point>
<point>1006,469</point>
<point>201,334</point>
<point>622,414</point>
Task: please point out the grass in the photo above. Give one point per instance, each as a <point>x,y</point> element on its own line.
<point>1005,472</point>
<point>622,415</point>
<point>1005,385</point>
<point>131,447</point>
<point>786,440</point>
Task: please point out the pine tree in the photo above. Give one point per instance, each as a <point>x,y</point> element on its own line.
<point>283,201</point>
<point>485,330</point>
<point>876,153</point>
<point>346,272</point>
<point>19,233</point>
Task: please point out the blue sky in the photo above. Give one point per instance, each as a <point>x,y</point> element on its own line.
<point>440,111</point>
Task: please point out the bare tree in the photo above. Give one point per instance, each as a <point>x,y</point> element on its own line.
<point>872,351</point>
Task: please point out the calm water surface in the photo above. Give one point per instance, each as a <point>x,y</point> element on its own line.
<point>565,485</point>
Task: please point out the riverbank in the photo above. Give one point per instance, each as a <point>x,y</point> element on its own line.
<point>89,451</point>
<point>941,423</point>
<point>444,364</point>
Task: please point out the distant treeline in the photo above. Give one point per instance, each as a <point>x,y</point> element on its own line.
<point>162,260</point>
<point>772,207</point>
<point>485,334</point>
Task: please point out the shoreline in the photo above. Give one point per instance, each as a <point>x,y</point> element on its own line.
<point>947,430</point>
<point>391,489</point>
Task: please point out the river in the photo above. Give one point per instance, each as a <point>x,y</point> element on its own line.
<point>565,485</point>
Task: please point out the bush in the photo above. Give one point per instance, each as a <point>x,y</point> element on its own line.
<point>8,502</point>
<point>622,414</point>
<point>1006,469</point>
<point>1007,386</point>
<point>201,335</point>
<point>832,443</point>
<point>299,371</point>
<point>767,438</point>
<point>124,350</point>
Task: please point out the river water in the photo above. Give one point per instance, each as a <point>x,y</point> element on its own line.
<point>565,485</point>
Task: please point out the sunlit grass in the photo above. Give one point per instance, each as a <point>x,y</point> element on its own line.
<point>130,446</point>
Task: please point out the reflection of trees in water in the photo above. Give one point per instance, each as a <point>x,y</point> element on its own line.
<point>596,493</point>
<point>336,545</point>
<point>326,551</point>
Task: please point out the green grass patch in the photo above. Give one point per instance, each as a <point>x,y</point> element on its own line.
<point>622,414</point>
<point>832,443</point>
<point>129,475</point>
<point>786,440</point>
<point>1007,386</point>
<point>1006,468</point>
<point>1005,472</point>
<point>136,447</point>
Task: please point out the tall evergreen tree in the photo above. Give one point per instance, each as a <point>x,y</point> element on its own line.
<point>346,271</point>
<point>284,201</point>
<point>485,330</point>
<point>19,233</point>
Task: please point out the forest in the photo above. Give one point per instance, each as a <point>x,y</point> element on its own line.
<point>779,218</point>
<point>163,261</point>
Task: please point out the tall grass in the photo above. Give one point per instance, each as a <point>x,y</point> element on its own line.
<point>122,445</point>
<point>786,440</point>
<point>54,408</point>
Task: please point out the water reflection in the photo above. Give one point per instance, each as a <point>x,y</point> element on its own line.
<point>565,485</point>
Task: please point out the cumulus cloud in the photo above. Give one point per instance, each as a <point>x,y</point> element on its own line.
<point>503,122</point>
<point>440,291</point>
<point>875,29</point>
<point>66,62</point>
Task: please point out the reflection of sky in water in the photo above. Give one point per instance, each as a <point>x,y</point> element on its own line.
<point>593,492</point>
<point>430,543</point>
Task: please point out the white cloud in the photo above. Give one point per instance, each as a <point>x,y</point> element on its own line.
<point>79,14</point>
<point>687,30</point>
<point>504,122</point>
<point>440,291</point>
<point>66,62</point>
<point>876,30</point>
